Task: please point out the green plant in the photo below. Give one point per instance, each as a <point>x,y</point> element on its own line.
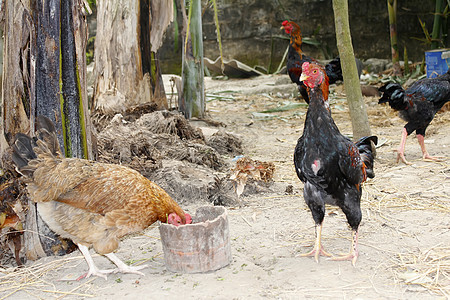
<point>438,36</point>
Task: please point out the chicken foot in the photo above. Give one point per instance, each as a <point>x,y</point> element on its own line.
<point>318,248</point>
<point>353,254</point>
<point>121,266</point>
<point>426,156</point>
<point>124,268</point>
<point>93,270</point>
<point>421,139</point>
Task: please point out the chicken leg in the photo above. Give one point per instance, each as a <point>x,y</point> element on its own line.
<point>121,266</point>
<point>353,254</point>
<point>318,248</point>
<point>426,156</point>
<point>93,270</point>
<point>401,149</point>
<point>421,139</point>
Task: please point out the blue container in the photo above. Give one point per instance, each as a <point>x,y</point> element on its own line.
<point>437,62</point>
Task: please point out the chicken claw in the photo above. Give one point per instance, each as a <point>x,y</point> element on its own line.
<point>429,158</point>
<point>123,267</point>
<point>353,254</point>
<point>426,156</point>
<point>93,270</point>
<point>316,252</point>
<point>96,272</point>
<point>401,156</point>
<point>318,248</point>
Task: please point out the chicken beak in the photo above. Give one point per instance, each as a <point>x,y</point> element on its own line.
<point>303,77</point>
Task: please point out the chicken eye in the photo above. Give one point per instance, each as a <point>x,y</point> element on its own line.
<point>315,71</point>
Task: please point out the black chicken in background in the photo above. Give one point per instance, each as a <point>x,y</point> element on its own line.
<point>296,58</point>
<point>417,106</point>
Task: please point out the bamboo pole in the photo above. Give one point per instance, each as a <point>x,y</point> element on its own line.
<point>392,9</point>
<point>437,24</point>
<point>192,102</point>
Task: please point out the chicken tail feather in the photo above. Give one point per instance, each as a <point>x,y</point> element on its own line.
<point>46,132</point>
<point>364,146</point>
<point>394,94</point>
<point>334,70</point>
<point>23,153</point>
<point>26,149</point>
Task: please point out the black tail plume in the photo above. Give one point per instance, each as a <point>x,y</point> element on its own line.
<point>334,69</point>
<point>364,146</point>
<point>394,94</point>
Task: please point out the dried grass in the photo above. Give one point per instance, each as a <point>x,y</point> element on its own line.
<point>30,279</point>
<point>429,193</point>
<point>428,268</point>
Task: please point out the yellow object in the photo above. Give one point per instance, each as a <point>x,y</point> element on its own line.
<point>2,219</point>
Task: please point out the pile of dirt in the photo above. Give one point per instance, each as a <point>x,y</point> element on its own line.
<point>167,149</point>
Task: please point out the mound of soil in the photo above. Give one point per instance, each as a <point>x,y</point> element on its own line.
<point>167,149</point>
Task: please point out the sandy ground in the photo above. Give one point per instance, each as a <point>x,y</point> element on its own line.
<point>404,235</point>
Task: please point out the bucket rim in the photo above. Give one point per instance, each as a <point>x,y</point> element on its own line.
<point>224,214</point>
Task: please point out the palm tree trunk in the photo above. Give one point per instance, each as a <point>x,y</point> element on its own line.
<point>127,72</point>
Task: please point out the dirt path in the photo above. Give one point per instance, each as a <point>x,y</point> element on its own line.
<point>404,235</point>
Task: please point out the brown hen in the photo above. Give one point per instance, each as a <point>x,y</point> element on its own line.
<point>93,204</point>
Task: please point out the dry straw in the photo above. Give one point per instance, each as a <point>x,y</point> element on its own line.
<point>30,279</point>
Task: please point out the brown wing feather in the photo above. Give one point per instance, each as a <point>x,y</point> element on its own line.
<point>109,187</point>
<point>100,188</point>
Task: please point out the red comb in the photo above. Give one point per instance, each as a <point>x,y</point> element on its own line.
<point>284,23</point>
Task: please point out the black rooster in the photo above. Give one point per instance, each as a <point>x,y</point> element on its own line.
<point>331,166</point>
<point>295,59</point>
<point>417,106</point>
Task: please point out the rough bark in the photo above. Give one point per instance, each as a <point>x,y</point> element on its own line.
<point>43,73</point>
<point>192,101</point>
<point>47,15</point>
<point>150,62</point>
<point>126,72</point>
<point>161,16</point>
<point>72,84</point>
<point>358,113</point>
<point>16,72</point>
<point>81,37</point>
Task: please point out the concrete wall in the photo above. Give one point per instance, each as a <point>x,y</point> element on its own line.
<point>250,30</point>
